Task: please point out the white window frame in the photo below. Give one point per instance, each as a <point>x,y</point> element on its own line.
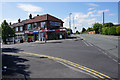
<point>21,28</point>
<point>34,25</point>
<point>42,23</point>
<point>29,25</point>
<point>16,29</point>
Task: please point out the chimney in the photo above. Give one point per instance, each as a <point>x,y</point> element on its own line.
<point>37,14</point>
<point>19,20</point>
<point>10,23</point>
<point>30,16</point>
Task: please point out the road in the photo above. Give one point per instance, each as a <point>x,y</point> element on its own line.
<point>72,58</point>
<point>105,42</point>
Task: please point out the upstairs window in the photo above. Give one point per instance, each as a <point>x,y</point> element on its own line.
<point>29,26</point>
<point>34,25</point>
<point>42,24</point>
<point>55,23</point>
<point>21,28</point>
<point>16,29</point>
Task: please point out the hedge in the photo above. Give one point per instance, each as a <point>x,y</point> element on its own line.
<point>118,30</point>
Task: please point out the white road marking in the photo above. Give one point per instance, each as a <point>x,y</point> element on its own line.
<point>115,60</point>
<point>99,49</point>
<point>90,44</point>
<point>86,43</point>
<point>108,55</point>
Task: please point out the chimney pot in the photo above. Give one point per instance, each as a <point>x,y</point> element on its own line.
<point>10,23</point>
<point>30,16</point>
<point>19,20</point>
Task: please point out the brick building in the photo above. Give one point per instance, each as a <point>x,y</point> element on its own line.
<point>39,27</point>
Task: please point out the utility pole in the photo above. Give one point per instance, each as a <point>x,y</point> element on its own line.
<point>103,18</point>
<point>119,12</point>
<point>70,20</point>
<point>73,23</point>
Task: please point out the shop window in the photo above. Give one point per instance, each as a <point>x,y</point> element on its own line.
<point>34,25</point>
<point>29,26</point>
<point>21,28</point>
<point>42,24</point>
<point>16,29</point>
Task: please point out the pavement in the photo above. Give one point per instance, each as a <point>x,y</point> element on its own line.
<point>72,58</point>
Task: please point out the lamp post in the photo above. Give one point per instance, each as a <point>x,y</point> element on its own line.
<point>45,34</point>
<point>70,21</point>
<point>103,18</point>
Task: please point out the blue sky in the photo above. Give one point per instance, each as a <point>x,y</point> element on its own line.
<point>85,13</point>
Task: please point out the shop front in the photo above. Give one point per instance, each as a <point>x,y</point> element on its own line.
<point>31,36</point>
<point>19,36</point>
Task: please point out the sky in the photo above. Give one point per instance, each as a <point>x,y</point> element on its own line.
<point>84,14</point>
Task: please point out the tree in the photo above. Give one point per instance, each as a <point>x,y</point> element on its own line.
<point>97,27</point>
<point>7,31</point>
<point>0,31</point>
<point>90,29</point>
<point>112,30</point>
<point>105,30</point>
<point>77,32</point>
<point>69,31</point>
<point>83,30</point>
<point>118,30</point>
<point>108,24</point>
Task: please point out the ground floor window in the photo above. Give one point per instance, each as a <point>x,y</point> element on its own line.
<point>31,37</point>
<point>56,35</point>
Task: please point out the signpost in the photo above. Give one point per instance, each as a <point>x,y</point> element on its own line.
<point>45,34</point>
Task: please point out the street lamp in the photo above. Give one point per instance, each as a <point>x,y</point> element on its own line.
<point>70,20</point>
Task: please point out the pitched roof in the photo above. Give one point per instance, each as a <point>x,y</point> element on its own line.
<point>43,18</point>
<point>18,24</point>
<point>36,19</point>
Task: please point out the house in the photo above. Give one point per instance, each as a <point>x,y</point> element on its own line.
<point>39,28</point>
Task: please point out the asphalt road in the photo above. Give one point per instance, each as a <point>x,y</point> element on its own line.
<point>77,51</point>
<point>105,42</point>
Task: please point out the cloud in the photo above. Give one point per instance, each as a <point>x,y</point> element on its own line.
<point>92,4</point>
<point>30,8</point>
<point>81,20</point>
<point>95,15</point>
<point>101,11</point>
<point>111,14</point>
<point>91,9</point>
<point>115,23</point>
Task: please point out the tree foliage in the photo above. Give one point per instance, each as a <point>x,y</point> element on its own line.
<point>97,28</point>
<point>83,30</point>
<point>112,30</point>
<point>108,24</point>
<point>0,31</point>
<point>105,30</point>
<point>77,32</point>
<point>69,31</point>
<point>118,30</point>
<point>7,31</point>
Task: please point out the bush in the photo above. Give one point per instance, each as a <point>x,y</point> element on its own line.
<point>118,30</point>
<point>112,30</point>
<point>105,30</point>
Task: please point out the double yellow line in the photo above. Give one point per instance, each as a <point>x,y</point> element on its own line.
<point>83,68</point>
